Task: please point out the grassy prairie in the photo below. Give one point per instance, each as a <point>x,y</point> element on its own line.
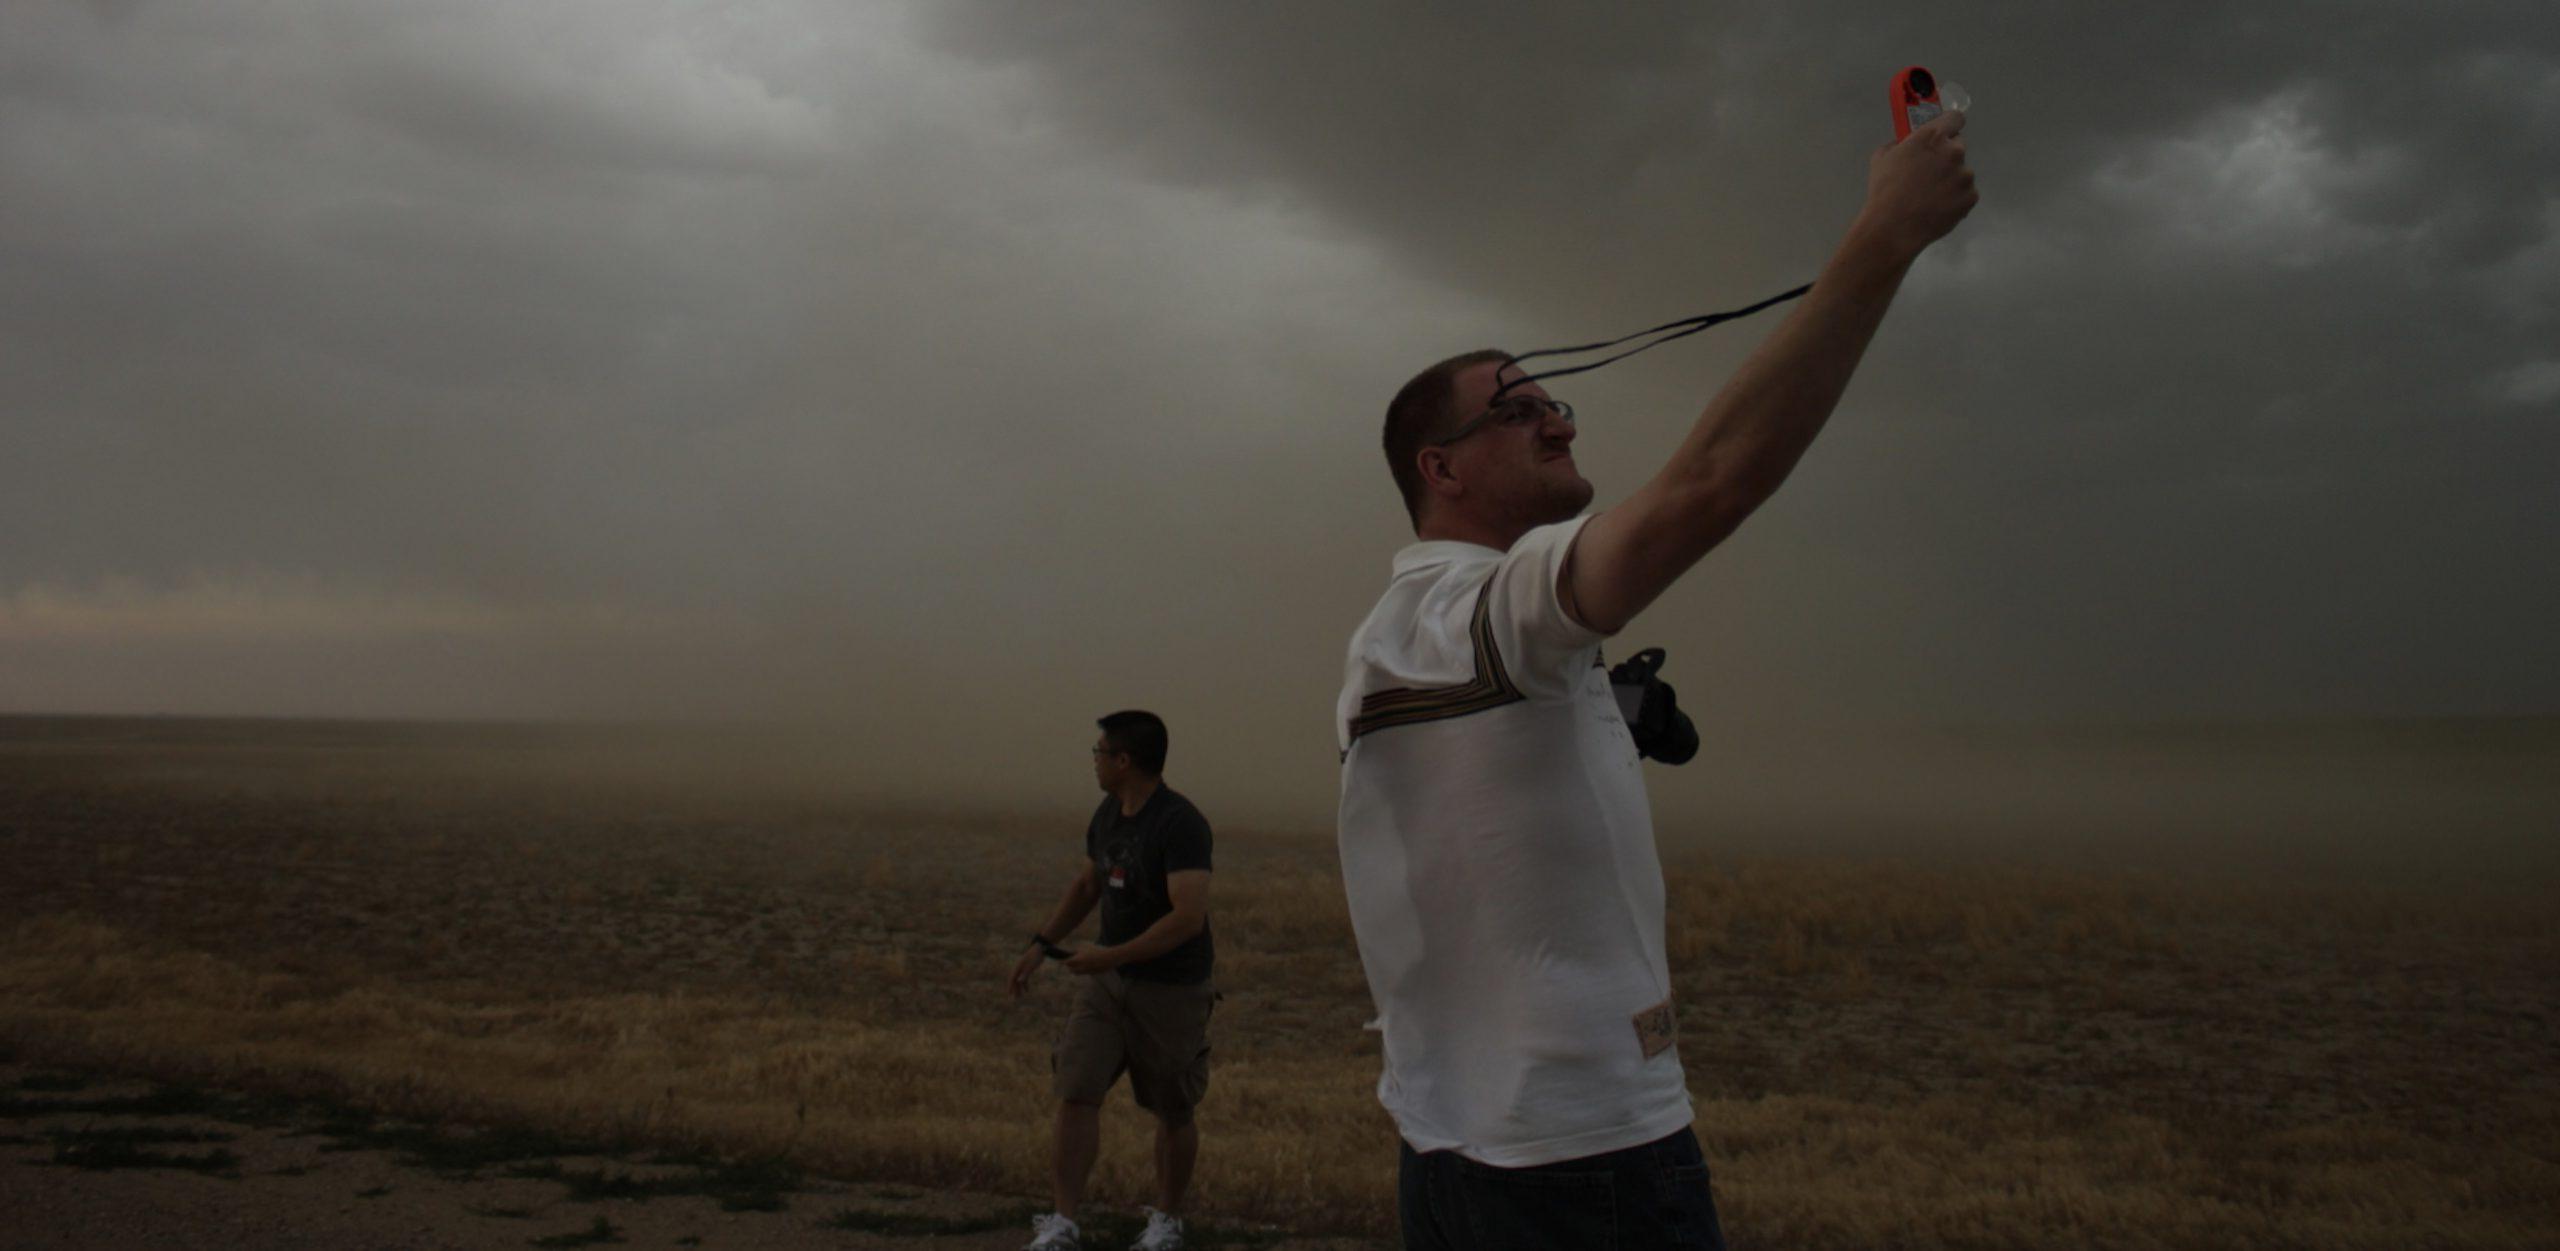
<point>493,926</point>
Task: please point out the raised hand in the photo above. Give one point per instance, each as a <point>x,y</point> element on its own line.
<point>1920,187</point>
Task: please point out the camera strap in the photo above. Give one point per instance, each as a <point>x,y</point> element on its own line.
<point>1667,331</point>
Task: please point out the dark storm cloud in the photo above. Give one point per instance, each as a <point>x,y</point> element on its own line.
<point>1528,131</point>
<point>909,363</point>
<point>2225,397</point>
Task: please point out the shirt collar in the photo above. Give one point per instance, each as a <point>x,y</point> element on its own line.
<point>1430,552</point>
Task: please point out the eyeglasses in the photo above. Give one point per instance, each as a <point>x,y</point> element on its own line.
<point>1515,410</point>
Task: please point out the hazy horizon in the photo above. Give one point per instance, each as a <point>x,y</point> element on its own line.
<point>2415,803</point>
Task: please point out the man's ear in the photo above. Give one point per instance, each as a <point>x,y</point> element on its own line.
<point>1439,476</point>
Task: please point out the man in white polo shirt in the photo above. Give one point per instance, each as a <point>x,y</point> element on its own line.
<point>1497,845</point>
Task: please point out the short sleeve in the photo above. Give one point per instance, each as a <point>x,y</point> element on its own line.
<point>1527,609</point>
<point>1186,842</point>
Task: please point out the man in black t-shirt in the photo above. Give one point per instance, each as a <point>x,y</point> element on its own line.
<point>1144,1006</point>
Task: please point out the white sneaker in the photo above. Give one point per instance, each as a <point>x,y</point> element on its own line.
<point>1052,1232</point>
<point>1164,1232</point>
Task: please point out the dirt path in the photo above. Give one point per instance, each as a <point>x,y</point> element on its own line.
<point>92,1165</point>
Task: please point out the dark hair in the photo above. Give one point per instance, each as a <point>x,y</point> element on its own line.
<point>1141,734</point>
<point>1418,414</point>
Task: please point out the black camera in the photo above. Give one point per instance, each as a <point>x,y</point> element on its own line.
<point>1662,732</point>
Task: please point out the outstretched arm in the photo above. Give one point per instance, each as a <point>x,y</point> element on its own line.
<point>1756,428</point>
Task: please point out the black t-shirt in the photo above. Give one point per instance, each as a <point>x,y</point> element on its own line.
<point>1131,856</point>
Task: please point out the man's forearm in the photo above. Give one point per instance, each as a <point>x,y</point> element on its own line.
<point>1753,432</point>
<point>1745,442</point>
<point>1756,429</point>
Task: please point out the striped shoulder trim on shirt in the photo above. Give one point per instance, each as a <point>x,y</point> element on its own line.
<point>1490,687</point>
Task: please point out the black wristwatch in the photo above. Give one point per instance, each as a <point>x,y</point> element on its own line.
<point>1047,948</point>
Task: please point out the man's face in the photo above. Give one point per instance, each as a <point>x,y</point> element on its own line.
<point>1516,473</point>
<point>1110,766</point>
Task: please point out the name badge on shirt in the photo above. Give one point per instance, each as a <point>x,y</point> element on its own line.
<point>1119,877</point>
<point>1656,1030</point>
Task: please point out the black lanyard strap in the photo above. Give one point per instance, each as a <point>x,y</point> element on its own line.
<point>1680,329</point>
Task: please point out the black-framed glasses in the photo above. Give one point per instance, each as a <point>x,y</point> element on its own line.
<point>1511,410</point>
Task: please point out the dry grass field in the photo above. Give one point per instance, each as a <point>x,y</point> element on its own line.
<point>488,927</point>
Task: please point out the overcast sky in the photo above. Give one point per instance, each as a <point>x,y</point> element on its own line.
<point>966,370</point>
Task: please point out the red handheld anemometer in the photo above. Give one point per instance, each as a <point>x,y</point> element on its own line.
<point>1915,97</point>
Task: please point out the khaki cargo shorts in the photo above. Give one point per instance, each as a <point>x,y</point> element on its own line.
<point>1157,1033</point>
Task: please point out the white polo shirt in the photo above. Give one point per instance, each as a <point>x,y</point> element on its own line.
<point>1498,852</point>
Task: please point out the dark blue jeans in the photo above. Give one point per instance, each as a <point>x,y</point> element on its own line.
<point>1632,1200</point>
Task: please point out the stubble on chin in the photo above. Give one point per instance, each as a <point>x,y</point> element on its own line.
<point>1545,500</point>
<point>1564,502</point>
